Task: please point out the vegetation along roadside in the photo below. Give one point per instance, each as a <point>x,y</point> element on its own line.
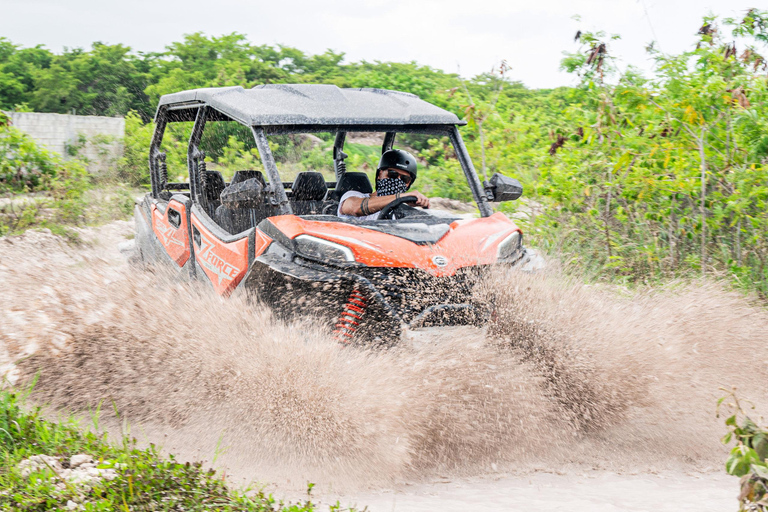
<point>636,178</point>
<point>41,189</point>
<point>60,466</point>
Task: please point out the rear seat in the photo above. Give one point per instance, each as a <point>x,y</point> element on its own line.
<point>212,187</point>
<point>246,175</point>
<point>243,204</point>
<point>308,192</point>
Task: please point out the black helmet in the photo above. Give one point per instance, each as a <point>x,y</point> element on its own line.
<point>399,159</point>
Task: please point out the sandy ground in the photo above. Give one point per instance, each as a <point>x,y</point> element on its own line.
<point>583,492</point>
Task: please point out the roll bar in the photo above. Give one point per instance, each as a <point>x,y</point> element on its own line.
<point>276,190</point>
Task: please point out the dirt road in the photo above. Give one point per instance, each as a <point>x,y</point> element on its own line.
<point>575,492</point>
<point>609,388</point>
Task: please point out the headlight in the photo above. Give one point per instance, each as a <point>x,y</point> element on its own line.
<point>322,250</point>
<point>510,246</point>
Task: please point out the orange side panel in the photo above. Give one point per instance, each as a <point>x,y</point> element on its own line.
<point>469,242</point>
<point>175,240</point>
<point>225,264</point>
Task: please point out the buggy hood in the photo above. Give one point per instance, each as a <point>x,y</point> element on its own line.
<point>440,248</point>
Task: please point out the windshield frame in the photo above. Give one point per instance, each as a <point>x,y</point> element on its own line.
<point>452,131</point>
<point>203,112</point>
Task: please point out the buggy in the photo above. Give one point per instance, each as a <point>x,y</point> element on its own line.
<point>283,241</point>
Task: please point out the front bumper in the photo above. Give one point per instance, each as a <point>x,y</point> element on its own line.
<point>412,297</point>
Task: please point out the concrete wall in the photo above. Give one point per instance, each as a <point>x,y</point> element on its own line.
<point>103,135</point>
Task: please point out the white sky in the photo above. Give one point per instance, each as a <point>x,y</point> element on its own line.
<point>470,35</point>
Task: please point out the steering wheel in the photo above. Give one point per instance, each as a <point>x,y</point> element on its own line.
<point>387,211</point>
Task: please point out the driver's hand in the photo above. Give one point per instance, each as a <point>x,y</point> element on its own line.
<point>422,200</point>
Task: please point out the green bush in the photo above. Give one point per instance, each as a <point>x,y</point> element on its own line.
<point>655,178</point>
<point>133,167</point>
<point>40,188</point>
<point>638,179</point>
<point>25,166</point>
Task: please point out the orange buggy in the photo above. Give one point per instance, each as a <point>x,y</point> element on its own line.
<point>283,240</point>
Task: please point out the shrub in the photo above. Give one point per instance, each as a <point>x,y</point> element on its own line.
<point>133,167</point>
<point>57,186</point>
<point>25,166</point>
<point>748,458</point>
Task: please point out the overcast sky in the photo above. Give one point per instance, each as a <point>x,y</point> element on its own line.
<point>467,35</point>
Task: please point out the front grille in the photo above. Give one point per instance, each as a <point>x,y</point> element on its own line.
<point>410,291</point>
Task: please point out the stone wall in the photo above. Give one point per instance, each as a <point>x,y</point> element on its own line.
<point>96,139</point>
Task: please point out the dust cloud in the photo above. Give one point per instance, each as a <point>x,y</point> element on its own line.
<point>566,375</point>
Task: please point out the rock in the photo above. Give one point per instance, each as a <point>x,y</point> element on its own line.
<point>80,478</point>
<point>108,474</point>
<point>451,205</point>
<point>83,471</point>
<point>78,460</point>
<point>37,463</point>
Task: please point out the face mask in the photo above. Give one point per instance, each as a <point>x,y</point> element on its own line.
<point>390,186</point>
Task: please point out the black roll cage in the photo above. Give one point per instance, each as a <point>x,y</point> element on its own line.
<point>200,113</point>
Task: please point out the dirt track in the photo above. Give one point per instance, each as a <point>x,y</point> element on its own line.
<point>592,491</point>
<point>574,378</point>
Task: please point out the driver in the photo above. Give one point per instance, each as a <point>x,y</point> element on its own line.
<point>395,175</point>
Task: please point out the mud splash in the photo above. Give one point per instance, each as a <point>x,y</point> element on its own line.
<point>568,375</point>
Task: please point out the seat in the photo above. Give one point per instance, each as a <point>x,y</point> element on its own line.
<point>309,186</point>
<point>308,192</point>
<point>243,202</point>
<point>212,186</point>
<point>357,181</point>
<point>248,174</point>
<point>243,194</point>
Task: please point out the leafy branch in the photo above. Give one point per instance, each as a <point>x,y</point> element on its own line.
<point>748,458</point>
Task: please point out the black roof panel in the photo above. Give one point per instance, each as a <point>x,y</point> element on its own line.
<point>309,104</point>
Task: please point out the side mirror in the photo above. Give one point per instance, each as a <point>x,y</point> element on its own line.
<point>502,188</point>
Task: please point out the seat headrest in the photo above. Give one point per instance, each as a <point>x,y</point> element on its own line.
<point>357,181</point>
<point>309,186</point>
<point>214,184</point>
<point>245,194</point>
<point>241,176</point>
